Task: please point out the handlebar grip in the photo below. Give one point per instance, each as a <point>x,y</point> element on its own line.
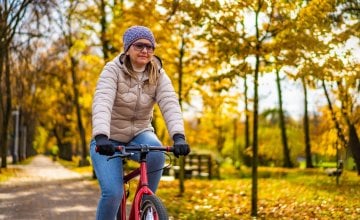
<point>117,149</point>
<point>170,149</point>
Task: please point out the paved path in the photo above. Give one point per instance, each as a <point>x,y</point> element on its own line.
<point>46,190</point>
<point>41,169</point>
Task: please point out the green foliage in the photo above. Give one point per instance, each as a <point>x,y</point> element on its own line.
<point>40,142</point>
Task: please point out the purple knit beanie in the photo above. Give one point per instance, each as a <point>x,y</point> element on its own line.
<point>135,33</point>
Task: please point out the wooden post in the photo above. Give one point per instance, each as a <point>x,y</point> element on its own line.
<point>199,165</point>
<point>209,167</point>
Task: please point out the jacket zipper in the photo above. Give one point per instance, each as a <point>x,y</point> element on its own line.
<point>139,91</point>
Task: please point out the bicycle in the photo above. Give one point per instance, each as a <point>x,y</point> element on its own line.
<point>146,205</point>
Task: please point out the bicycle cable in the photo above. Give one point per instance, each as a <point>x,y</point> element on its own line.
<point>164,167</point>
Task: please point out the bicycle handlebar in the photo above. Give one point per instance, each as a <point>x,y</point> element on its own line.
<point>144,148</point>
<point>140,148</point>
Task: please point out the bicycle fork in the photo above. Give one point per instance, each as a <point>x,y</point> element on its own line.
<point>142,189</point>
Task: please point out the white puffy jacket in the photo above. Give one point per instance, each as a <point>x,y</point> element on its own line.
<point>123,106</point>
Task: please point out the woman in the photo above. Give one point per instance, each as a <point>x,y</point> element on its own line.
<point>127,90</point>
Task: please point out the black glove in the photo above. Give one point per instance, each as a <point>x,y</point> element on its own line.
<point>180,145</point>
<point>104,146</point>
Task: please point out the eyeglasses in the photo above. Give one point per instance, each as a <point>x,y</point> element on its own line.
<point>141,46</point>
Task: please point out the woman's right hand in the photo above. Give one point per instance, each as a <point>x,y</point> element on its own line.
<point>104,146</point>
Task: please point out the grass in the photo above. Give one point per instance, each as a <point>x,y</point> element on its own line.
<point>282,194</point>
<point>8,172</point>
<point>297,195</point>
<point>74,165</point>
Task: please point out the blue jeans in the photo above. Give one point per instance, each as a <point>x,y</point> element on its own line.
<point>110,174</point>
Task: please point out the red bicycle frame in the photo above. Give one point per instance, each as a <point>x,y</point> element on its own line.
<point>142,187</point>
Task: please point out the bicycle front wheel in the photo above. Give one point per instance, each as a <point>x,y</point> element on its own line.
<point>152,208</point>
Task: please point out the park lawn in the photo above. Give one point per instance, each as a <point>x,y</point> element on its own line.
<point>9,172</point>
<point>282,194</point>
<point>293,195</point>
<point>74,166</point>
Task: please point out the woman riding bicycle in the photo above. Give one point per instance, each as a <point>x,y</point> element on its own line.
<point>128,88</point>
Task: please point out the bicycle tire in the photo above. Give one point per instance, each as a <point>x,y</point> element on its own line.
<point>152,205</point>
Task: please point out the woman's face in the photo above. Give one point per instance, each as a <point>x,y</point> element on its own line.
<point>140,52</point>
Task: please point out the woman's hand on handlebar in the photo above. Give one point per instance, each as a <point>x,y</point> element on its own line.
<point>180,145</point>
<point>104,146</point>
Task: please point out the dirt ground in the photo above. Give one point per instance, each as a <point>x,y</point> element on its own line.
<point>46,190</point>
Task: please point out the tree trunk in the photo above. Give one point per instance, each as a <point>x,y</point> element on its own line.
<point>103,38</point>
<point>30,134</point>
<point>84,154</point>
<point>6,108</point>
<point>65,147</point>
<point>75,85</point>
<point>66,151</point>
<point>236,148</point>
<point>333,116</point>
<point>306,128</point>
<point>346,110</point>
<point>354,145</point>
<point>286,151</point>
<point>182,159</point>
<point>255,159</point>
<point>247,159</point>
<point>3,129</point>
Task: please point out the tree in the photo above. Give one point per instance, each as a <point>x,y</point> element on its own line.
<point>341,71</point>
<point>14,15</point>
<point>247,117</point>
<point>306,126</point>
<point>301,45</point>
<point>286,152</point>
<point>105,20</point>
<point>343,19</point>
<point>72,40</point>
<point>179,24</point>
